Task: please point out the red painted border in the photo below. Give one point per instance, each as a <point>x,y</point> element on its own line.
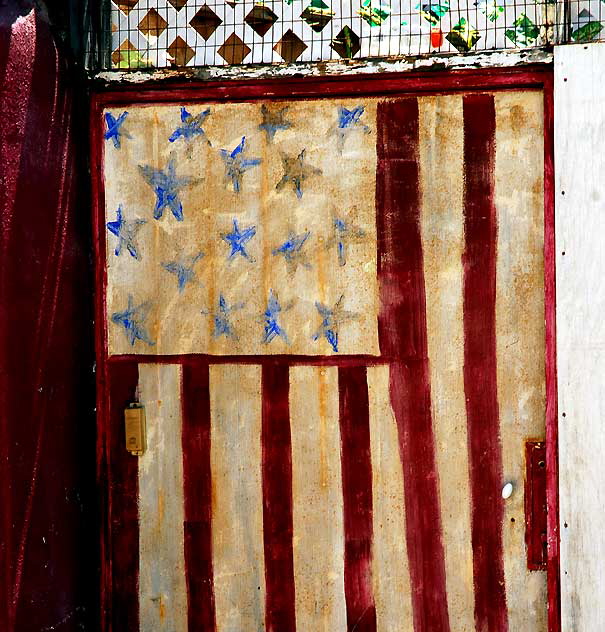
<point>518,78</point>
<point>378,84</point>
<point>552,420</point>
<point>106,588</point>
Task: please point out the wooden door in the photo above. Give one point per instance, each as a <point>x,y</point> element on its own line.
<point>333,311</point>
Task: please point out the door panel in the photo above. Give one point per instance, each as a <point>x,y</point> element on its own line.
<point>336,307</point>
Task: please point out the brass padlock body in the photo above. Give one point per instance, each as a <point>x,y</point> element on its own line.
<point>134,421</point>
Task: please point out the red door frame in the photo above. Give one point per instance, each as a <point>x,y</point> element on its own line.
<point>396,84</point>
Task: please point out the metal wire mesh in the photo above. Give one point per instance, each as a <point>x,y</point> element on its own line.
<point>140,34</point>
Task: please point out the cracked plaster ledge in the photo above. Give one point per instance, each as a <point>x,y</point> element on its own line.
<point>493,59</point>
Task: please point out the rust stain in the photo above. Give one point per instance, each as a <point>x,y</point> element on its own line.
<point>213,497</point>
<point>264,215</point>
<point>518,119</point>
<point>323,459</point>
<point>211,254</point>
<point>161,503</point>
<point>162,609</point>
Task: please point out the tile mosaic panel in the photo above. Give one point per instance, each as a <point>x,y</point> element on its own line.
<point>170,33</point>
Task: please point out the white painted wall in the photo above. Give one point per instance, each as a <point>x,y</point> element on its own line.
<point>580,238</point>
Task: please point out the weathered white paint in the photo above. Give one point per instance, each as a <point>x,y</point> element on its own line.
<point>441,146</point>
<point>580,227</point>
<point>520,334</point>
<point>162,588</point>
<point>237,498</point>
<point>390,568</point>
<point>350,67</point>
<point>318,540</point>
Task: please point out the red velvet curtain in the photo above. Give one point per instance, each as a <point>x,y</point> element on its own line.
<point>48,542</point>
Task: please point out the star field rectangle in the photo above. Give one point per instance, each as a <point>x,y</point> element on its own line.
<point>242,229</point>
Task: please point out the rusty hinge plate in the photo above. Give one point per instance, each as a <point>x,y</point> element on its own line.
<point>535,505</point>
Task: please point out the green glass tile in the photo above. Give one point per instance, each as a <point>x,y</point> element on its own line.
<point>491,9</point>
<point>433,11</point>
<point>524,33</point>
<point>463,36</point>
<point>132,59</point>
<point>373,12</point>
<point>586,32</point>
<point>317,15</point>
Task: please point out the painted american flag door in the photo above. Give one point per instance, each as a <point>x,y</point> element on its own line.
<point>333,312</point>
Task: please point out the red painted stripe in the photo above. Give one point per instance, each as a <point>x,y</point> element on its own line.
<point>277,499</point>
<point>357,498</point>
<point>123,504</point>
<point>480,376</point>
<point>402,333</point>
<point>197,484</point>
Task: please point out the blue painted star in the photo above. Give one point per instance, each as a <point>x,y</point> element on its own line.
<point>296,172</point>
<point>166,186</point>
<point>238,239</point>
<point>348,120</point>
<point>344,234</point>
<point>114,131</point>
<point>221,320</point>
<point>126,233</point>
<point>273,121</point>
<point>191,126</point>
<point>133,320</point>
<point>236,164</point>
<point>183,269</point>
<point>292,251</point>
<point>271,326</point>
<point>331,319</point>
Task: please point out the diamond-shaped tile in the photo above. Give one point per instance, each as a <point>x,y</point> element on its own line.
<point>346,43</point>
<point>490,8</point>
<point>180,52</point>
<point>586,32</point>
<point>127,56</point>
<point>153,24</point>
<point>463,36</point>
<point>178,4</point>
<point>205,21</point>
<point>234,51</point>
<point>260,19</point>
<point>433,10</point>
<point>126,6</point>
<point>317,15</point>
<point>374,12</point>
<point>524,32</point>
<point>290,47</point>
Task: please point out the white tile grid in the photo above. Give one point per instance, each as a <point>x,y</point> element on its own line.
<point>391,38</point>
